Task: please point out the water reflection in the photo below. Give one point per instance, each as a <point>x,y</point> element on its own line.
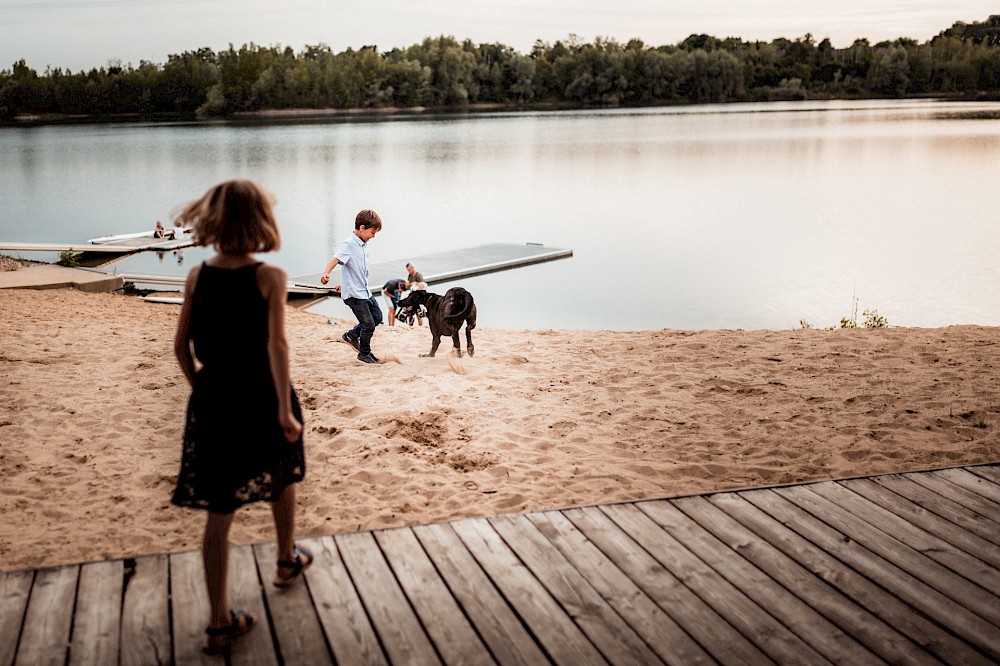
<point>738,216</point>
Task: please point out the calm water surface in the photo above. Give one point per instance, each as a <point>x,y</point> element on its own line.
<point>735,216</point>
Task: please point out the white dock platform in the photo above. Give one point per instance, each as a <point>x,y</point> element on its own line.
<point>447,266</point>
<point>100,254</point>
<point>177,281</point>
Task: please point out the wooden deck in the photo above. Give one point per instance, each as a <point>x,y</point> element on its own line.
<point>901,568</point>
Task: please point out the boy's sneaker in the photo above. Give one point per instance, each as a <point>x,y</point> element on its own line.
<point>351,341</point>
<point>367,358</point>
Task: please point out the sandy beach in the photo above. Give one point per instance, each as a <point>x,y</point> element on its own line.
<point>92,406</point>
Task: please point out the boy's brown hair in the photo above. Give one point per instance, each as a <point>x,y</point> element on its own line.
<point>368,219</point>
<point>236,216</point>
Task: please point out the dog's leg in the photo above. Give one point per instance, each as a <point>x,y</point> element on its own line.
<point>436,342</point>
<point>458,347</point>
<point>470,323</point>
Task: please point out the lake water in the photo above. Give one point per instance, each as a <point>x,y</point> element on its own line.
<point>735,216</point>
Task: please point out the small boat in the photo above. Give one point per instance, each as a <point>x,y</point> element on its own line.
<point>116,238</point>
<point>113,238</point>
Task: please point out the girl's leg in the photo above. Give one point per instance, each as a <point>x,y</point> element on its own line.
<point>292,559</point>
<point>215,555</point>
<point>283,510</point>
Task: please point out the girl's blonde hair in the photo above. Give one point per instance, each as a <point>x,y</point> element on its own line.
<point>236,216</point>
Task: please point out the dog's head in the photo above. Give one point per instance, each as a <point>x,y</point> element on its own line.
<point>415,299</point>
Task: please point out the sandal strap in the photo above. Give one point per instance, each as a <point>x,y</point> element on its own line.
<point>291,564</point>
<point>231,628</point>
<point>297,563</point>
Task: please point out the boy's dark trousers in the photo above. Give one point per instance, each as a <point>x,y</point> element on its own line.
<point>369,316</point>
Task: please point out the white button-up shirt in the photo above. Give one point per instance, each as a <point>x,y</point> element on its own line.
<point>353,256</point>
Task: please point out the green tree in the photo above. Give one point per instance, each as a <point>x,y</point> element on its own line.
<point>890,72</point>
<point>186,80</point>
<point>21,92</point>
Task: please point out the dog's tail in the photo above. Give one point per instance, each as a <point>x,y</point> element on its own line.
<point>465,298</point>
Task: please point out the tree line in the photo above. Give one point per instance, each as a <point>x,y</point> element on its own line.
<point>443,72</point>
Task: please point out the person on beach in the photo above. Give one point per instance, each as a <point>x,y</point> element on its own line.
<point>353,254</point>
<point>243,436</point>
<point>393,291</point>
<point>415,282</point>
<point>415,279</point>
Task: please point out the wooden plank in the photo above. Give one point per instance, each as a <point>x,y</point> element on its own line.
<point>296,627</point>
<point>966,498</point>
<point>447,626</point>
<point>97,620</point>
<point>15,589</point>
<point>905,586</point>
<point>870,614</point>
<point>670,642</point>
<point>343,616</point>
<point>555,631</point>
<point>46,631</point>
<point>934,561</point>
<point>768,634</point>
<point>691,527</point>
<point>612,636</point>
<point>948,509</point>
<point>929,522</point>
<point>969,481</point>
<point>989,472</point>
<point>189,610</point>
<point>400,630</point>
<point>245,593</point>
<point>145,631</point>
<point>698,619</point>
<point>499,627</point>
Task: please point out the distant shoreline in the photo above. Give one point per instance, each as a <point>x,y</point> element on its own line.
<point>266,115</point>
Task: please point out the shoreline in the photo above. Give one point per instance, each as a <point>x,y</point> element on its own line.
<point>264,116</point>
<point>93,408</point>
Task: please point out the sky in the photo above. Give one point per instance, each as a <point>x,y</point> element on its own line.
<point>82,34</point>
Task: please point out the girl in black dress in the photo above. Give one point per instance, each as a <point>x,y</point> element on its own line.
<point>243,437</point>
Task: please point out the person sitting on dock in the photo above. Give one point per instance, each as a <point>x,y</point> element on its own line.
<point>178,230</point>
<point>159,231</point>
<point>393,291</point>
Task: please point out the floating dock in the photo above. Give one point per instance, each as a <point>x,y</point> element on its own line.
<point>438,267</point>
<point>447,266</point>
<point>294,290</point>
<point>99,254</point>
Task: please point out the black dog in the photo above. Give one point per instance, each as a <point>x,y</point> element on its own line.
<point>445,314</point>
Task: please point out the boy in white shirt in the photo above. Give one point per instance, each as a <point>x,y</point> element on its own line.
<point>353,255</point>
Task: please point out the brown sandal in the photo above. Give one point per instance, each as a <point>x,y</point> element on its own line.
<point>221,639</point>
<point>303,558</point>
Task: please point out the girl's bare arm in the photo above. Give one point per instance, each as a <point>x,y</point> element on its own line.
<point>182,339</point>
<point>273,283</point>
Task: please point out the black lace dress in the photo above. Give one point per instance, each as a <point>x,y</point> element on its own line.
<point>235,451</point>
